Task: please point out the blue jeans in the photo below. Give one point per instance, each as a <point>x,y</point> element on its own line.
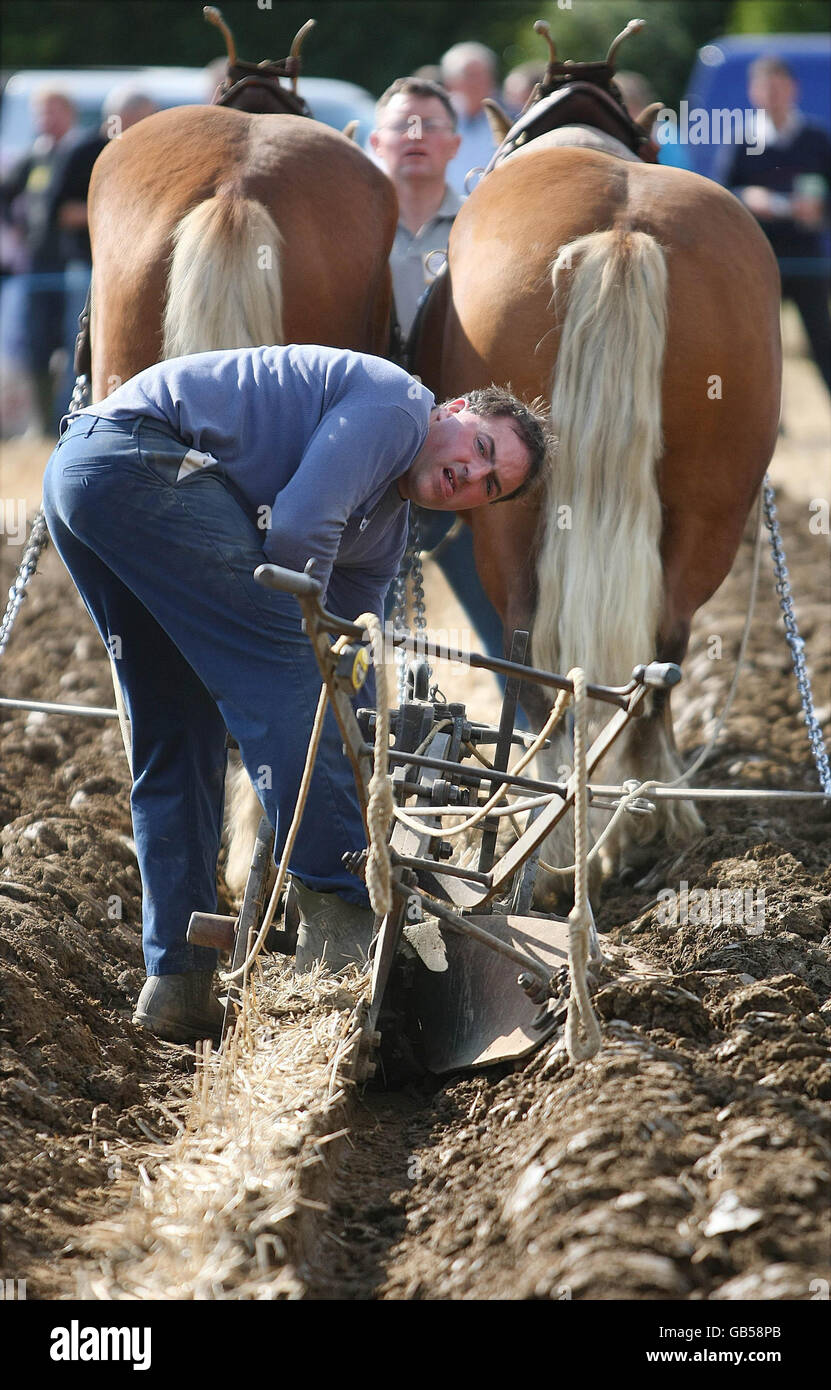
<point>165,569</point>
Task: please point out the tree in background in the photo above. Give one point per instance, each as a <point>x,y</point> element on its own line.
<point>664,51</point>
<point>778,17</point>
<point>373,41</point>
<point>365,41</point>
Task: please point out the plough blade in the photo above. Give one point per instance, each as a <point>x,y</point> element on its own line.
<point>474,1013</point>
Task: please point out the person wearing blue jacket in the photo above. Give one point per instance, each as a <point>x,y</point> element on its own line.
<point>162,500</point>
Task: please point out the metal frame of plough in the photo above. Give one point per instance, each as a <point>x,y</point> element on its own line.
<point>499,988</point>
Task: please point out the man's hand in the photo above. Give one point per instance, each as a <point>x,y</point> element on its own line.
<point>761,202</point>
<point>73,215</point>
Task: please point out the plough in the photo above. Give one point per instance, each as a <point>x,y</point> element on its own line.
<point>464,972</point>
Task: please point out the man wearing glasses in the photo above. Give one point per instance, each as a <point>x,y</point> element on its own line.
<point>415,139</point>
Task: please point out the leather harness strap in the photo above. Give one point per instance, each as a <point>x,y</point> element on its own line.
<point>245,78</point>
<point>553,103</point>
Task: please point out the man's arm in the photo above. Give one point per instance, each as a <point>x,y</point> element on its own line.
<point>353,453</point>
<point>355,591</point>
<point>70,185</point>
<point>13,184</point>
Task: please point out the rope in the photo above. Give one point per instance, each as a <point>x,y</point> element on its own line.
<point>300,805</point>
<point>379,811</point>
<point>582,1034</point>
<point>553,719</point>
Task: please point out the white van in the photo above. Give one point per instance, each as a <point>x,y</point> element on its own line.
<point>333,102</point>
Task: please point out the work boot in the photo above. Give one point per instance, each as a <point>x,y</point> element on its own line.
<point>331,930</point>
<point>180,1008</point>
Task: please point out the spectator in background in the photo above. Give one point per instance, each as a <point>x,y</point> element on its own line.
<point>123,107</point>
<point>429,72</point>
<point>637,95</point>
<point>469,74</point>
<point>636,92</point>
<point>519,84</point>
<point>786,186</point>
<point>414,140</point>
<point>26,198</point>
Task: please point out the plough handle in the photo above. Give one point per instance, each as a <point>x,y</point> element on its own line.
<point>658,673</point>
<point>287,581</point>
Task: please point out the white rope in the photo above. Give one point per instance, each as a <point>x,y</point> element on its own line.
<point>468,822</point>
<point>582,1035</point>
<point>531,804</point>
<point>381,805</point>
<point>300,806</point>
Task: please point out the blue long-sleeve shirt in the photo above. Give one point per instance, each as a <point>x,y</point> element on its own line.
<point>314,438</point>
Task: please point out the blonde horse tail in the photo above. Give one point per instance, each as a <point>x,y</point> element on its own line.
<point>599,571</point>
<point>224,288</point>
<point>224,291</point>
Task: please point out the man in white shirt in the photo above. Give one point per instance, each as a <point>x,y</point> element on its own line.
<point>415,138</point>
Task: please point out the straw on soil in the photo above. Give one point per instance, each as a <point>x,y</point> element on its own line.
<point>231,1208</point>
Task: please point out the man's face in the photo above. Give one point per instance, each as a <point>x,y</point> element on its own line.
<point>773,92</point>
<point>415,138</point>
<point>471,85</point>
<point>466,461</point>
<point>54,115</point>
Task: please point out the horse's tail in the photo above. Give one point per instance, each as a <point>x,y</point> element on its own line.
<point>223,288</point>
<point>599,570</point>
<point>224,291</point>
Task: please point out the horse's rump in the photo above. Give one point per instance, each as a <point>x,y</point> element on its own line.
<point>660,354</point>
<point>212,178</point>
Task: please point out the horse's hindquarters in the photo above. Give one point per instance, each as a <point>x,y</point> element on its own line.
<point>665,403</point>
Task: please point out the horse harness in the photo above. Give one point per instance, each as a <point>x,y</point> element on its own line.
<point>256,88</point>
<point>575,94</point>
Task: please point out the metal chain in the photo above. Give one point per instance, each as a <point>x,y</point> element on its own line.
<point>794,641</point>
<point>410,569</point>
<point>399,623</point>
<point>417,576</point>
<point>37,542</point>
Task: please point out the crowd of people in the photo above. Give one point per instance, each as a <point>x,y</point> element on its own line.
<point>43,204</point>
<point>431,136</point>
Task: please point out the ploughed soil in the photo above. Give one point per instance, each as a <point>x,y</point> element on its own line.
<point>690,1159</point>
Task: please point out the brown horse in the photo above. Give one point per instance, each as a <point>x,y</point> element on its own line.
<point>643,302</point>
<point>215,227</point>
